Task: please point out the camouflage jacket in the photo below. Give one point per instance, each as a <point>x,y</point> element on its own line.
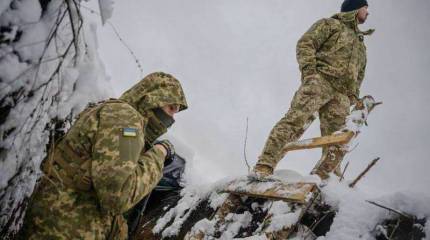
<point>101,168</point>
<point>334,48</point>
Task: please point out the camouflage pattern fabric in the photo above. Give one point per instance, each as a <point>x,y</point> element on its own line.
<point>332,58</point>
<point>334,47</point>
<point>104,149</point>
<point>314,95</point>
<point>332,118</point>
<point>159,89</point>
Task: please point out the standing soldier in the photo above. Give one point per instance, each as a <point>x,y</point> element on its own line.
<point>105,164</point>
<point>332,60</point>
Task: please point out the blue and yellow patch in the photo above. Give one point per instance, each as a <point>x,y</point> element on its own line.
<point>129,132</point>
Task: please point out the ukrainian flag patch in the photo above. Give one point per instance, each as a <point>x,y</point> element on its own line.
<point>129,132</point>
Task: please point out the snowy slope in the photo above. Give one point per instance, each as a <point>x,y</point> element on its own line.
<point>355,217</point>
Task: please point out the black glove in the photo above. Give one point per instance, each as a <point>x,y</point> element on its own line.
<point>170,149</point>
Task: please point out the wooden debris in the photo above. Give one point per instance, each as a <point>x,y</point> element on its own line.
<point>403,214</point>
<point>351,185</point>
<point>340,138</point>
<point>275,190</point>
<point>400,228</point>
<point>246,191</point>
<point>285,232</point>
<point>343,172</point>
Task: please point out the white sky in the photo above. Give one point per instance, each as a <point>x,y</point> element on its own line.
<point>236,60</point>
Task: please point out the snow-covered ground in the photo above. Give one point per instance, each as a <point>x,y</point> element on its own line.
<point>355,217</point>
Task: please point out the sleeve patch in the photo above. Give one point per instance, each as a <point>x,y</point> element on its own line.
<point>129,132</point>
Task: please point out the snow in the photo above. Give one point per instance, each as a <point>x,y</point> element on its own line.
<point>282,216</point>
<point>233,223</point>
<point>216,199</point>
<point>355,217</point>
<point>353,220</point>
<point>237,221</point>
<point>191,197</point>
<point>10,69</point>
<point>300,143</point>
<point>20,12</point>
<point>32,42</point>
<point>291,176</point>
<point>204,226</point>
<point>259,237</point>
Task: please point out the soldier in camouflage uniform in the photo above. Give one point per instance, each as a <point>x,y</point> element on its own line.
<point>105,164</point>
<point>332,60</point>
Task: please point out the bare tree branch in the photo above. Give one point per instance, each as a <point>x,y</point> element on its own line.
<point>343,172</point>
<point>244,147</point>
<point>351,185</point>
<point>403,214</point>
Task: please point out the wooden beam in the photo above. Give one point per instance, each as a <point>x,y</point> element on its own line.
<point>340,138</point>
<point>276,190</point>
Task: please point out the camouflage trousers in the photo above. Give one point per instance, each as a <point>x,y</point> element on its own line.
<point>314,95</point>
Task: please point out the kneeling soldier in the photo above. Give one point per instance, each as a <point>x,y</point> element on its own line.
<point>105,164</point>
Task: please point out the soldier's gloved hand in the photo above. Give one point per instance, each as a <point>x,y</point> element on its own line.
<point>168,146</point>
<point>262,171</point>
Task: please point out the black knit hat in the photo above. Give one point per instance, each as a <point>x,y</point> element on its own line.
<point>351,5</point>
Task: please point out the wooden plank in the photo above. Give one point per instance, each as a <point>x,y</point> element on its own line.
<point>340,138</point>
<point>274,190</point>
<point>299,196</point>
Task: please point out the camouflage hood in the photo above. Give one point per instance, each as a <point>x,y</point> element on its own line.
<point>155,90</point>
<point>350,19</point>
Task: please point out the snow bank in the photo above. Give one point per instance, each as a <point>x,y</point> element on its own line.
<point>191,197</point>
<point>355,217</point>
<point>282,216</point>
